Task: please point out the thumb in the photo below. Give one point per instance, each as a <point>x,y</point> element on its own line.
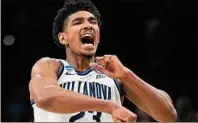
<point>117,120</point>
<point>93,65</point>
<point>97,67</point>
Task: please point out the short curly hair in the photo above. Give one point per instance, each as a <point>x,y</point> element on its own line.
<point>70,7</point>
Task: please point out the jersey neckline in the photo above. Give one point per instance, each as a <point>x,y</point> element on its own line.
<point>82,73</point>
<point>85,72</point>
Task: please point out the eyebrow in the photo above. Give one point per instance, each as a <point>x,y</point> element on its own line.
<point>92,18</point>
<point>78,19</point>
<point>81,18</point>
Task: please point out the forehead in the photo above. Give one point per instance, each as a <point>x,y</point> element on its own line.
<point>80,14</point>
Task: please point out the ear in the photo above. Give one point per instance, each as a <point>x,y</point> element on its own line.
<point>62,38</point>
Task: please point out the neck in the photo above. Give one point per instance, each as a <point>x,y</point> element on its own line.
<point>80,63</point>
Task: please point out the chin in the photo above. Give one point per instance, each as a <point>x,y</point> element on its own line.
<point>88,55</point>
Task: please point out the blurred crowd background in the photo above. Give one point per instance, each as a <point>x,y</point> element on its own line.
<point>157,39</point>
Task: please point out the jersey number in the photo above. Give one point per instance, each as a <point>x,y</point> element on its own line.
<point>82,114</point>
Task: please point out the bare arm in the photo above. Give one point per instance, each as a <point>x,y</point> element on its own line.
<point>47,94</point>
<point>153,101</point>
<point>156,103</point>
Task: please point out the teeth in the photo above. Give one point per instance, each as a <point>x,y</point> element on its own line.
<point>90,35</point>
<point>88,44</point>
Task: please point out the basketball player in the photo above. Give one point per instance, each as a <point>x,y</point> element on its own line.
<point>85,88</point>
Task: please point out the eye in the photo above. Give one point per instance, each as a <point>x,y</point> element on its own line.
<point>77,22</point>
<point>93,21</point>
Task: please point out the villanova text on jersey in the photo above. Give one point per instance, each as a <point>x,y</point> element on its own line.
<point>93,89</point>
<point>90,83</point>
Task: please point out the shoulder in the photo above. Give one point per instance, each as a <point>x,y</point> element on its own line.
<point>48,60</point>
<point>46,65</point>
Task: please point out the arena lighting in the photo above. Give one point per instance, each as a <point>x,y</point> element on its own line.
<point>9,40</point>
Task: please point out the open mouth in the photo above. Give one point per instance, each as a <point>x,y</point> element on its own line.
<point>87,39</point>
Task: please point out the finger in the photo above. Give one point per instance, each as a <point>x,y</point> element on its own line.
<point>107,58</point>
<point>121,121</point>
<point>100,60</point>
<point>101,69</point>
<point>133,118</point>
<point>117,120</point>
<point>97,67</point>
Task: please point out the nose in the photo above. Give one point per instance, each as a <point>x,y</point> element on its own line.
<point>87,26</point>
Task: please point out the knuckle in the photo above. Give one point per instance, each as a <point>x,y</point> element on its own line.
<point>105,56</point>
<point>134,117</point>
<point>114,56</point>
